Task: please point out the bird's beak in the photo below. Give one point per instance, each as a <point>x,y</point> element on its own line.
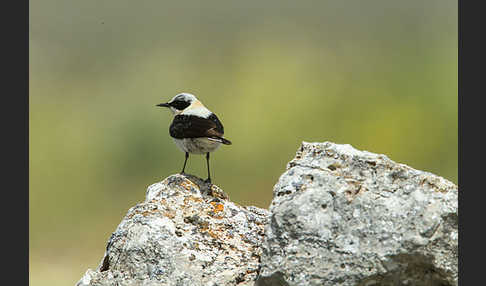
<point>163,105</point>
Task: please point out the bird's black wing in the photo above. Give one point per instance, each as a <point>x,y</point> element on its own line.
<point>191,126</point>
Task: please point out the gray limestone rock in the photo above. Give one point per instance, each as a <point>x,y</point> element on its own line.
<point>186,232</point>
<point>340,216</point>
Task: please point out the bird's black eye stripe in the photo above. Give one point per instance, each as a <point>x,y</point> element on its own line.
<point>179,104</point>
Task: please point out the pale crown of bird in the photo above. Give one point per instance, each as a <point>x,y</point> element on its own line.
<point>188,104</point>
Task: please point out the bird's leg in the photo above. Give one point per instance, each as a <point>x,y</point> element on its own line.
<point>208,180</point>
<point>183,168</point>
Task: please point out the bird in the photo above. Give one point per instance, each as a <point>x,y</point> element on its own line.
<point>194,129</point>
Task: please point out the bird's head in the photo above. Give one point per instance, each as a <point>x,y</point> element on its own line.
<point>180,102</point>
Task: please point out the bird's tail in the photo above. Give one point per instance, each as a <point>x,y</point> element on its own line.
<point>226,141</point>
<point>220,140</point>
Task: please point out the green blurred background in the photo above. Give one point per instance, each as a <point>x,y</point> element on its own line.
<point>379,75</point>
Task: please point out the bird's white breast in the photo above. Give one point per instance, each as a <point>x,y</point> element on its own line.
<point>200,145</point>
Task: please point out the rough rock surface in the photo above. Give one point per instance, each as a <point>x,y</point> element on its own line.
<point>346,217</point>
<point>339,216</point>
<point>186,232</point>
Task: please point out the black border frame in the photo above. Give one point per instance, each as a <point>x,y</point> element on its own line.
<point>16,195</point>
<point>15,120</point>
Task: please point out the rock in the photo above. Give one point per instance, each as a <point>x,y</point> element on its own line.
<point>186,232</point>
<point>340,216</point>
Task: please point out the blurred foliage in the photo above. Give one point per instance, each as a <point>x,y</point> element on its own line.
<point>380,75</point>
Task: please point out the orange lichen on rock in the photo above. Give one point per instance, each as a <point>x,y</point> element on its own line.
<point>217,207</point>
<point>192,198</point>
<point>169,214</point>
<point>187,184</point>
<point>212,234</point>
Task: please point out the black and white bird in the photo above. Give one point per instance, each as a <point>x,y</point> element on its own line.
<point>195,129</point>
